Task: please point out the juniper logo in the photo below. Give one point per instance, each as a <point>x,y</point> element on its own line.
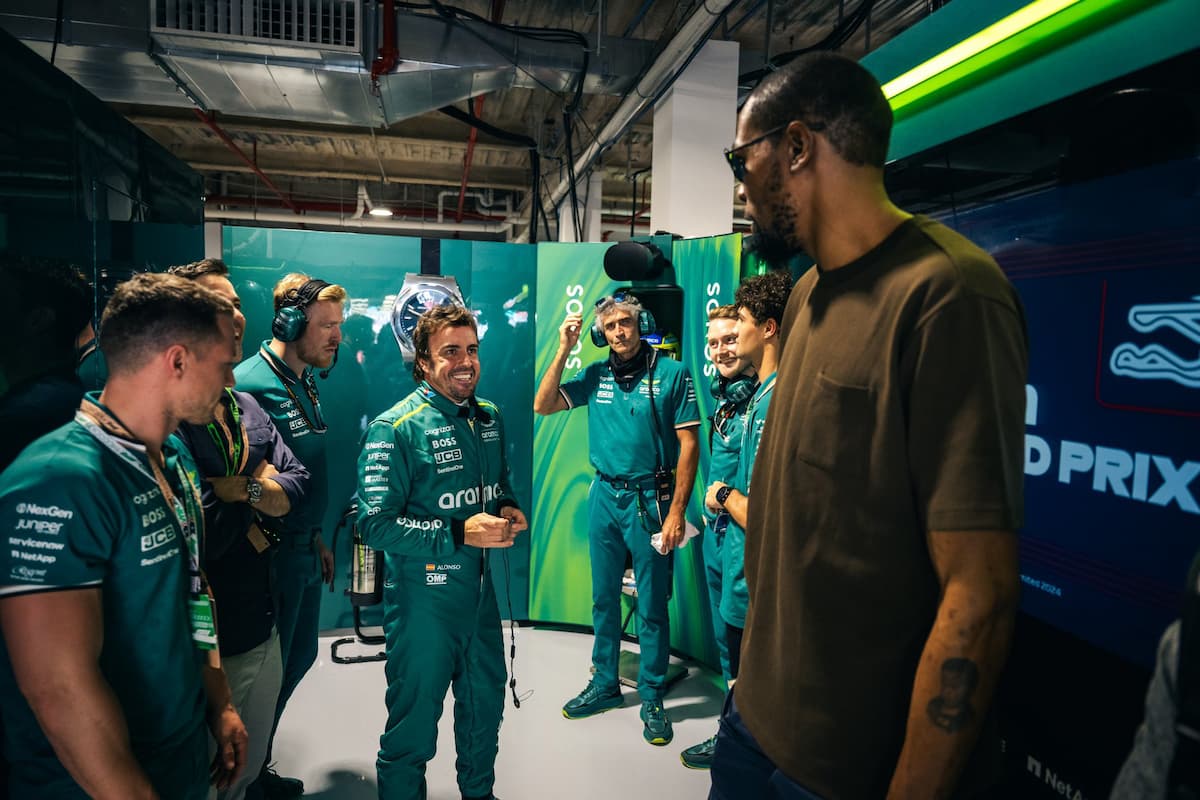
<point>1155,361</point>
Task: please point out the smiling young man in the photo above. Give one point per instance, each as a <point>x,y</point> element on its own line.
<point>760,303</point>
<point>109,670</point>
<point>434,497</point>
<point>306,332</point>
<point>646,403</point>
<point>881,547</point>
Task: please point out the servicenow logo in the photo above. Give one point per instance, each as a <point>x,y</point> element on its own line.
<point>468,497</point>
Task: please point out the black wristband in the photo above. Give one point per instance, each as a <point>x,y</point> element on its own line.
<point>723,495</point>
<point>458,531</point>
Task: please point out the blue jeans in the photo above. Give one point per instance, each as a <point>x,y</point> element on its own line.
<point>741,770</point>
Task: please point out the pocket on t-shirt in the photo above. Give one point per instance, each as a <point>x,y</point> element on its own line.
<point>835,430</point>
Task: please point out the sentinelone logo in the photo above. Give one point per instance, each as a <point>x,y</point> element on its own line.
<point>1154,361</point>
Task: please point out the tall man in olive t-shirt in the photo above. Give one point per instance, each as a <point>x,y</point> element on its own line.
<point>881,554</point>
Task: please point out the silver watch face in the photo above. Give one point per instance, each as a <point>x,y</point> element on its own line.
<point>414,300</point>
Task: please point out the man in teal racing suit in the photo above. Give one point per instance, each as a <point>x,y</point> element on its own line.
<point>434,496</point>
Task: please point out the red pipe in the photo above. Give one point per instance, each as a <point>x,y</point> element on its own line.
<point>224,137</point>
<point>388,56</point>
<point>497,14</point>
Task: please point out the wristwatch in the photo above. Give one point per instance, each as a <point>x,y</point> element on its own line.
<point>418,294</point>
<point>723,495</point>
<point>253,490</point>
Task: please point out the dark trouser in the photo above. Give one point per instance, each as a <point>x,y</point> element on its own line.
<point>742,771</point>
<point>297,593</point>
<point>733,635</point>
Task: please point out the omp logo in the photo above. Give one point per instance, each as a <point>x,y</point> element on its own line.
<point>435,579</point>
<point>442,456</point>
<point>44,511</point>
<point>1154,361</point>
<point>469,497</point>
<point>158,538</point>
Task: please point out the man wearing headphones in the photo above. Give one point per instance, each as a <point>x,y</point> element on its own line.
<point>640,400</point>
<point>732,389</point>
<point>434,497</point>
<point>306,332</point>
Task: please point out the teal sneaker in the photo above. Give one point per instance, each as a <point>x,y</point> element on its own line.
<point>699,756</point>
<point>591,701</point>
<point>657,730</point>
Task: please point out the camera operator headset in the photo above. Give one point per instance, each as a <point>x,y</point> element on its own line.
<point>626,375</point>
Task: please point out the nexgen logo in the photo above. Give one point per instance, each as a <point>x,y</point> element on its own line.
<point>468,497</point>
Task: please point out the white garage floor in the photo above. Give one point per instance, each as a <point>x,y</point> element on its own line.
<point>330,733</point>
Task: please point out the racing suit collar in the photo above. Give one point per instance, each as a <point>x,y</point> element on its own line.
<point>470,410</point>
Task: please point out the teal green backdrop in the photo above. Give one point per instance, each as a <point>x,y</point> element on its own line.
<point>497,281</point>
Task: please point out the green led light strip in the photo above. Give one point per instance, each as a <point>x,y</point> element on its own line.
<point>1027,31</point>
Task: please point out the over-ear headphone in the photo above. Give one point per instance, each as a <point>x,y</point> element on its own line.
<point>290,318</point>
<point>645,321</point>
<point>733,390</point>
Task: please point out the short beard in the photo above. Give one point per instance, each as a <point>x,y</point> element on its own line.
<point>777,242</point>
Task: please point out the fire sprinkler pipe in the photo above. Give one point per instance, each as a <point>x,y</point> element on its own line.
<point>388,56</point>
<point>224,137</point>
<point>497,15</point>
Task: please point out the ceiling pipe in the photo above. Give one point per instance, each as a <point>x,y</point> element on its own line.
<point>395,224</point>
<point>666,68</point>
<point>388,56</point>
<point>497,15</point>
<point>342,208</point>
<point>224,137</point>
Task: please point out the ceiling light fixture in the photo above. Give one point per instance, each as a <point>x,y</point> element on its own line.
<point>380,211</point>
<point>1026,32</point>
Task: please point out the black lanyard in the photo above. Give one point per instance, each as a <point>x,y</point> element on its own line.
<point>310,388</point>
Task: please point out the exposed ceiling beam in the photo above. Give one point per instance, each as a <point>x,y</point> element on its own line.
<point>353,175</point>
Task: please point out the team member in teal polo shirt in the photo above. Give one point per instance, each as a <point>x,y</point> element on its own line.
<point>306,332</point>
<point>732,389</point>
<point>760,301</point>
<point>108,629</point>
<point>647,405</point>
<point>434,496</point>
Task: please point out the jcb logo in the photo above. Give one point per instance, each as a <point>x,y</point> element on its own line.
<point>158,538</point>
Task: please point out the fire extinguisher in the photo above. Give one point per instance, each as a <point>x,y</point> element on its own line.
<point>366,565</point>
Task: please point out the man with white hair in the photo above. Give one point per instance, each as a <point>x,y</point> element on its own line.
<point>648,404</point>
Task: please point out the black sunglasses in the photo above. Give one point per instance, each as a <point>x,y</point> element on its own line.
<point>737,163</point>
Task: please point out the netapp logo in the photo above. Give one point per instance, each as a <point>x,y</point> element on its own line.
<point>1051,779</point>
<point>468,497</point>
<point>44,511</point>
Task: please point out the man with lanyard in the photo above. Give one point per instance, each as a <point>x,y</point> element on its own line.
<point>110,668</point>
<point>732,388</point>
<point>760,302</point>
<point>636,399</point>
<point>434,496</point>
<point>248,473</point>
<point>306,332</point>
